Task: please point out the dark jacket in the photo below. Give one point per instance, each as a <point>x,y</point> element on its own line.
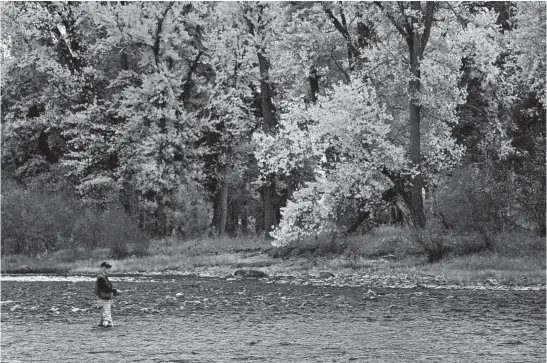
<point>103,287</point>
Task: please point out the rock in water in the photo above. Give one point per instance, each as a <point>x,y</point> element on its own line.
<point>370,295</point>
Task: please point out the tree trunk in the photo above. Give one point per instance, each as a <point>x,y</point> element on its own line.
<point>124,63</point>
<point>233,218</point>
<point>416,42</point>
<point>161,227</point>
<point>268,127</point>
<point>314,84</point>
<point>157,40</point>
<point>259,221</point>
<point>244,221</point>
<point>269,208</point>
<point>342,27</point>
<point>223,202</point>
<point>416,49</point>
<point>415,152</point>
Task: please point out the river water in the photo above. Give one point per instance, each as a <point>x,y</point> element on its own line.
<point>213,320</point>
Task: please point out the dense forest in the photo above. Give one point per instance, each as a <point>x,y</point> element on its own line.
<point>288,120</point>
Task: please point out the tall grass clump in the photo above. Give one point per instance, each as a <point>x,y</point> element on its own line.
<point>208,245</point>
<point>381,241</point>
<point>322,245</point>
<point>438,243</point>
<point>385,241</point>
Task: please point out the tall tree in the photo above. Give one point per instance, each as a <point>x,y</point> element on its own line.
<point>413,23</point>
<point>259,18</point>
<point>49,66</point>
<point>421,81</point>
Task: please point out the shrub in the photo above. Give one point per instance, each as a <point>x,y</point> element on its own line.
<point>435,245</point>
<point>438,243</point>
<point>123,250</point>
<point>469,201</point>
<point>514,244</point>
<point>476,206</point>
<point>488,201</point>
<point>120,251</point>
<point>121,233</point>
<point>36,220</point>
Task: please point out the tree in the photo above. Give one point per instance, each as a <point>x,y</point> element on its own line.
<point>349,120</point>
<point>158,127</point>
<point>48,67</point>
<point>259,18</point>
<point>421,83</point>
<point>414,24</point>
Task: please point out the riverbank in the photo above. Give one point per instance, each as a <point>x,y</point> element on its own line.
<point>383,259</point>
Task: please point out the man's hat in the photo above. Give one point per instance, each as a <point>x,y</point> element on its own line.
<point>106,264</point>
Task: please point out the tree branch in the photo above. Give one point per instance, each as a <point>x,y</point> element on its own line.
<point>401,30</point>
<point>430,7</point>
<point>407,25</point>
<point>336,23</point>
<point>187,87</point>
<point>341,29</point>
<point>340,67</point>
<point>362,217</point>
<point>156,47</point>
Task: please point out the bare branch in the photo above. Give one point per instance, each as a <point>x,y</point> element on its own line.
<point>430,7</point>
<point>401,30</point>
<point>156,47</point>
<point>340,67</point>
<point>337,23</point>
<point>407,25</point>
<point>460,18</point>
<point>343,30</point>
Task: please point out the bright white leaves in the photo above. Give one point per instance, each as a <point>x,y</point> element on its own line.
<point>530,46</point>
<point>307,215</point>
<point>347,119</point>
<point>386,65</point>
<point>351,126</point>
<point>347,129</point>
<point>440,96</point>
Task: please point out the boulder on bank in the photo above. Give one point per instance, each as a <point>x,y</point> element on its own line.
<point>325,275</point>
<point>251,274</point>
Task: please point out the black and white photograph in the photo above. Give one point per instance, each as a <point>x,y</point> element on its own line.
<point>273,181</point>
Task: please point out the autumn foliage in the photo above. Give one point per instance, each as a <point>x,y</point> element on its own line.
<point>290,120</point>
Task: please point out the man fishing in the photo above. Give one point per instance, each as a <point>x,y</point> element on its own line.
<point>104,292</point>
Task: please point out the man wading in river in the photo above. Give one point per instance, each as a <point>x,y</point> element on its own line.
<point>104,292</point>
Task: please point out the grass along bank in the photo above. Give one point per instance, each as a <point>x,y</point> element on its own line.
<point>162,255</point>
<point>511,259</point>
